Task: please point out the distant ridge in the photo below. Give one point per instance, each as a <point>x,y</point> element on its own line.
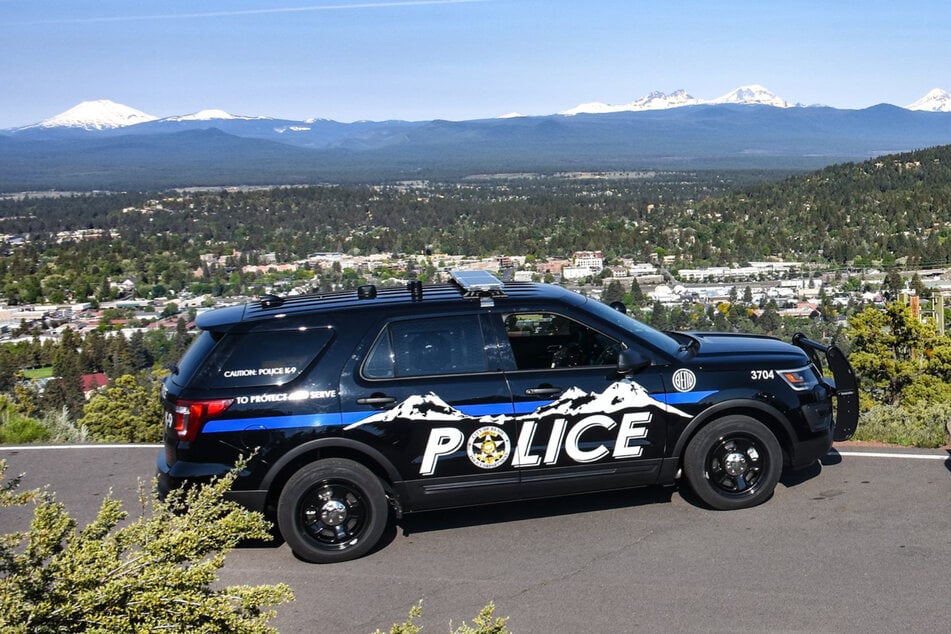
<point>747,129</point>
<point>103,114</point>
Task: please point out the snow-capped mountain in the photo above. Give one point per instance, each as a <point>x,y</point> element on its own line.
<point>101,114</point>
<point>654,101</point>
<point>105,115</point>
<point>937,100</point>
<point>211,114</point>
<point>660,101</point>
<point>753,94</point>
<point>129,149</point>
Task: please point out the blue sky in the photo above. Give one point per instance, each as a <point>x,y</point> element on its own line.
<point>415,60</point>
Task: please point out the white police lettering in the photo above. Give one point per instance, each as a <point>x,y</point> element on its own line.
<point>234,374</point>
<point>442,441</point>
<point>281,397</point>
<point>633,426</point>
<point>237,374</point>
<point>269,398</point>
<point>554,443</point>
<point>572,447</point>
<point>446,440</point>
<point>624,408</point>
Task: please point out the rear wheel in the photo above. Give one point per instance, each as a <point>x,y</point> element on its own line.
<point>733,463</point>
<point>332,510</point>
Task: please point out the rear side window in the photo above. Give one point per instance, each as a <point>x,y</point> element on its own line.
<point>193,357</point>
<point>258,359</point>
<point>421,347</point>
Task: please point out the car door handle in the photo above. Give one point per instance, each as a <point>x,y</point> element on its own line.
<point>543,391</point>
<point>376,400</point>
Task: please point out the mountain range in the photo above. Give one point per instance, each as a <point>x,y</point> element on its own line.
<point>105,145</point>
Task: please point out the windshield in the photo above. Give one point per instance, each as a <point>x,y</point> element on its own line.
<point>650,336</point>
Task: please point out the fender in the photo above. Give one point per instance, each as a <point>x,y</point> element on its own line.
<point>329,443</point>
<point>732,405</point>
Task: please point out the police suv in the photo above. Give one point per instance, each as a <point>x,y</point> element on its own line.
<point>401,399</point>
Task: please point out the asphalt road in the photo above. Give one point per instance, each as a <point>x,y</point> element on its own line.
<point>862,543</point>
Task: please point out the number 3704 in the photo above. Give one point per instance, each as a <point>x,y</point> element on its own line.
<point>762,375</point>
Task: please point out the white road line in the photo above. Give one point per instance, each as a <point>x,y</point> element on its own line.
<point>34,447</point>
<point>878,454</point>
<point>865,454</point>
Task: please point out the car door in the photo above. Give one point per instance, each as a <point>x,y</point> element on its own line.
<point>428,394</point>
<point>581,425</point>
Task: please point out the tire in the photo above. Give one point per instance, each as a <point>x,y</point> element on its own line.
<point>332,510</point>
<point>733,463</point>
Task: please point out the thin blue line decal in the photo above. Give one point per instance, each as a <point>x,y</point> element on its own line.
<point>680,398</point>
<point>272,422</point>
<point>487,409</point>
<point>527,407</point>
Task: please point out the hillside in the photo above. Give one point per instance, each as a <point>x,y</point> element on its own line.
<point>852,215</point>
<point>864,213</point>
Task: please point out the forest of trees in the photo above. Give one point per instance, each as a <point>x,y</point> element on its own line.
<point>885,212</point>
<point>880,213</point>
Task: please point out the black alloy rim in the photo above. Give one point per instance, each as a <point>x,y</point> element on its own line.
<point>736,465</point>
<point>334,514</point>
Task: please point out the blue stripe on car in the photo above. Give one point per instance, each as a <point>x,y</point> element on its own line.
<point>348,418</point>
<point>682,398</point>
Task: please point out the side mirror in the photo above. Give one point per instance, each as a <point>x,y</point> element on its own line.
<point>631,361</point>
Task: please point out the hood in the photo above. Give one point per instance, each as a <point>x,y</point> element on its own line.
<point>717,346</point>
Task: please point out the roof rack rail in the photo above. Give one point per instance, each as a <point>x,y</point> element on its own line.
<point>480,285</point>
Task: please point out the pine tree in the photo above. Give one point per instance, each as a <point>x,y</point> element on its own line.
<point>67,389</point>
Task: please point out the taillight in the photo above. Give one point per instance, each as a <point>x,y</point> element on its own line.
<point>189,416</point>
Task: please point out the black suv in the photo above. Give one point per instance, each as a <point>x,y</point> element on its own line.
<point>474,392</point>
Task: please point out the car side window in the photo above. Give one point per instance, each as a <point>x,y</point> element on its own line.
<point>548,340</point>
<point>258,359</point>
<point>423,347</point>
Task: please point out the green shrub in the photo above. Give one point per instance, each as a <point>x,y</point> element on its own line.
<point>129,410</point>
<point>62,429</point>
<point>485,623</point>
<point>16,428</point>
<point>924,425</point>
<point>925,389</point>
<point>158,572</point>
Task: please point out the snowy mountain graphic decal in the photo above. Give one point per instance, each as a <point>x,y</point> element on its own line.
<point>620,395</point>
<point>557,432</point>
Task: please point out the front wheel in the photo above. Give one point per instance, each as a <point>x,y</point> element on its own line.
<point>733,463</point>
<point>332,510</point>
